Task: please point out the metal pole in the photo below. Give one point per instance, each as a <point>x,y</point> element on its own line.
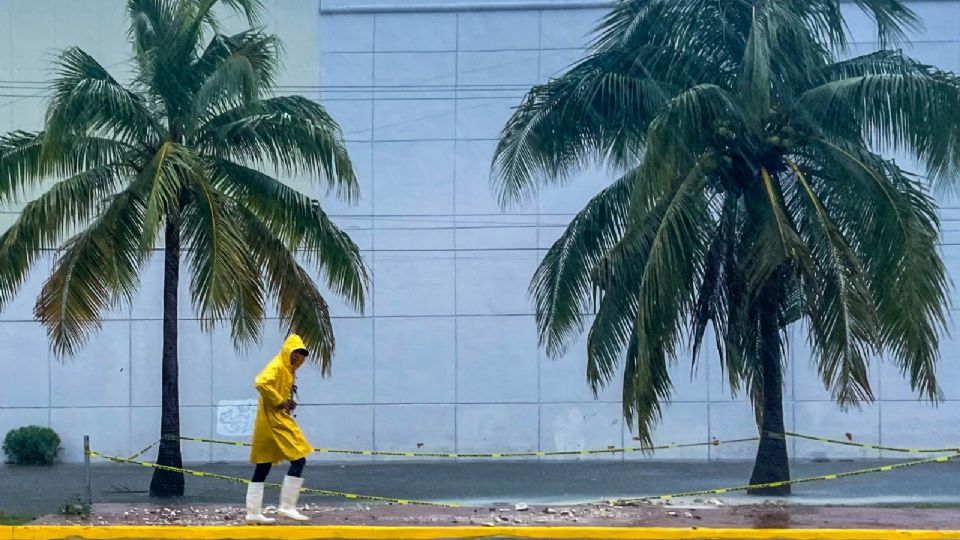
<point>86,465</point>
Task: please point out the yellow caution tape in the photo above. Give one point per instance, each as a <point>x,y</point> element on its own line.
<point>666,497</point>
<point>142,452</point>
<point>494,455</point>
<point>834,476</point>
<point>869,446</point>
<point>325,492</point>
<point>608,450</point>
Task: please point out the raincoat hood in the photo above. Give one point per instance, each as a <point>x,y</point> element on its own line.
<point>292,343</point>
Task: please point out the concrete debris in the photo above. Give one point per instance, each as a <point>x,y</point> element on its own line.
<point>597,514</point>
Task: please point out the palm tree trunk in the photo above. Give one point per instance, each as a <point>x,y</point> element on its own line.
<point>772,463</point>
<point>167,483</point>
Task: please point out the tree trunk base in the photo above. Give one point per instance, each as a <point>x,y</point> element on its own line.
<point>779,491</point>
<point>167,483</point>
<point>772,465</point>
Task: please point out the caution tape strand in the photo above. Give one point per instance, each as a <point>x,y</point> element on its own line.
<point>494,455</point>
<point>824,477</point>
<point>608,450</point>
<point>313,491</point>
<point>665,497</point>
<point>142,452</point>
<point>867,445</point>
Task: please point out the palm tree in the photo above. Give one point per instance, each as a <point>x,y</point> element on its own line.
<point>177,159</point>
<point>753,194</point>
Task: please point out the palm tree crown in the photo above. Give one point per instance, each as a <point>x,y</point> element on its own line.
<point>753,193</point>
<point>186,143</point>
<point>187,157</point>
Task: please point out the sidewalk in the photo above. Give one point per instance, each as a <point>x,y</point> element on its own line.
<point>681,515</point>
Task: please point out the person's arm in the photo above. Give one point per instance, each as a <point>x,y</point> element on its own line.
<point>266,383</point>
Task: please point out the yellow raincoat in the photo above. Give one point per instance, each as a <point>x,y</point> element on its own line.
<point>276,436</point>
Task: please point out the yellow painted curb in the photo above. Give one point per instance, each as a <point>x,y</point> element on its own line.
<point>431,533</point>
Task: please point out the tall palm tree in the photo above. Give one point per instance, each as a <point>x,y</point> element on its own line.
<point>178,159</point>
<point>753,194</point>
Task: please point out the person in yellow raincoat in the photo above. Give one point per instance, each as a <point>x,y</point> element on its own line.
<point>276,436</point>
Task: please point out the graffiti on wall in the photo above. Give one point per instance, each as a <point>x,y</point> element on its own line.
<point>235,417</point>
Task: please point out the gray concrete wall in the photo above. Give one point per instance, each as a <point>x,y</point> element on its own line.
<point>446,356</point>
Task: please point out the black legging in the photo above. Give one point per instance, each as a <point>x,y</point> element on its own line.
<point>263,469</point>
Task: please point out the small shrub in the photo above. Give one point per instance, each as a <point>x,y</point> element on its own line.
<point>32,445</point>
<point>75,506</point>
<point>14,519</point>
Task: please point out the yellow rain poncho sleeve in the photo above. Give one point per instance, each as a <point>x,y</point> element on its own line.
<point>276,436</point>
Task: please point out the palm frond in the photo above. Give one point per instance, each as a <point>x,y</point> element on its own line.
<point>680,136</point>
<point>599,110</point>
<point>770,240</point>
<point>150,22</point>
<point>166,35</point>
<point>301,224</point>
<point>42,224</point>
<point>894,19</point>
<point>880,62</point>
<point>755,83</point>
<point>717,31</point>
<point>170,170</point>
<point>87,100</point>
<point>300,304</point>
<point>644,280</point>
<point>896,227</point>
<point>251,9</point>
<point>222,268</point>
<point>235,71</point>
<point>646,387</point>
<point>291,133</point>
<point>563,283</point>
<point>913,294</point>
<point>906,107</point>
<point>96,269</point>
<point>719,276</point>
<point>26,162</point>
<point>157,35</point>
<point>842,317</point>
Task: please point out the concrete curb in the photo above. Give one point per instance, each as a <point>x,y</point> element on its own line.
<point>430,533</point>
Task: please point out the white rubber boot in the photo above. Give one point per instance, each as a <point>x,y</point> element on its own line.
<point>255,505</point>
<point>289,495</point>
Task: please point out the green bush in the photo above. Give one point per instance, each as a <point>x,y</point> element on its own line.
<point>32,445</point>
<point>75,506</point>
<point>14,519</point>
